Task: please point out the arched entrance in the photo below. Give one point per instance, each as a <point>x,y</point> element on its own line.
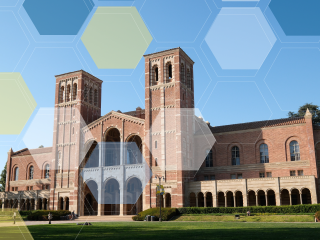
<point>295,197</point>
<point>271,198</point>
<point>159,199</point>
<point>252,198</point>
<point>112,147</point>
<point>61,203</point>
<point>66,203</point>
<point>230,202</point>
<point>40,203</point>
<point>133,196</point>
<point>261,198</point>
<point>306,196</point>
<point>91,158</point>
<point>221,200</point>
<point>285,198</point>
<point>209,199</point>
<point>200,199</point>
<point>111,197</point>
<point>239,199</point>
<point>134,150</point>
<point>90,199</point>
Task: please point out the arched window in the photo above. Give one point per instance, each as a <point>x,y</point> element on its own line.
<point>182,79</point>
<point>169,71</point>
<point>16,174</point>
<point>209,159</point>
<point>59,154</point>
<point>294,151</point>
<point>68,93</point>
<point>156,144</point>
<point>155,75</point>
<point>264,153</point>
<point>61,96</point>
<point>235,155</point>
<point>189,83</point>
<point>85,93</point>
<point>90,95</point>
<point>31,170</point>
<point>47,171</point>
<point>96,97</point>
<point>75,92</point>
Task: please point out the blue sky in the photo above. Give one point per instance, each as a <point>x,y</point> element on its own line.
<point>287,78</point>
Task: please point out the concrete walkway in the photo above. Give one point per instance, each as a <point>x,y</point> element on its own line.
<point>85,219</point>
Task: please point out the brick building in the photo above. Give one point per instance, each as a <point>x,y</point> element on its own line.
<point>273,162</point>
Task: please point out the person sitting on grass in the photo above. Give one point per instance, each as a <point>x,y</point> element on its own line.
<point>248,213</point>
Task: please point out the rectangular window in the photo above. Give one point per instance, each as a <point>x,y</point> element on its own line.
<point>16,189</point>
<point>206,178</point>
<point>240,176</point>
<point>212,177</point>
<point>300,172</point>
<point>31,188</point>
<point>27,188</point>
<point>156,144</point>
<point>48,187</point>
<point>12,189</point>
<point>233,176</point>
<point>269,174</point>
<point>261,175</point>
<point>292,173</point>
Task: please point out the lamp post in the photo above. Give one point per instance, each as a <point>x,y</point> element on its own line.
<point>157,176</point>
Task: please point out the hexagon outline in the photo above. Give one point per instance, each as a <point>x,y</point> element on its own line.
<point>178,41</point>
<point>254,70</point>
<point>17,79</point>
<point>12,5</point>
<point>264,79</point>
<point>43,36</point>
<point>24,35</point>
<point>127,13</point>
<point>235,3</point>
<point>277,29</point>
<point>258,91</point>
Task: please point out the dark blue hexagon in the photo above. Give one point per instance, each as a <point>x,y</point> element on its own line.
<point>58,17</point>
<point>298,17</point>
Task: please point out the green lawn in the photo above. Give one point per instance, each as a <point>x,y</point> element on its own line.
<point>176,231</point>
<point>243,218</point>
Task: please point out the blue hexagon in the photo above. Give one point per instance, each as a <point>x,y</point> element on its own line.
<point>297,18</point>
<point>13,42</point>
<point>58,17</point>
<point>240,38</point>
<point>175,21</point>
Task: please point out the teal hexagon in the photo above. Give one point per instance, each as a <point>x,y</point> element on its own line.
<point>17,103</point>
<point>116,37</point>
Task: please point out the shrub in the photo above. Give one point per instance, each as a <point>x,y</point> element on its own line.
<point>42,215</point>
<point>166,214</point>
<point>305,208</point>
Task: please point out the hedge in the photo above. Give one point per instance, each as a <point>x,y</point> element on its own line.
<point>304,208</point>
<point>166,214</point>
<point>42,215</point>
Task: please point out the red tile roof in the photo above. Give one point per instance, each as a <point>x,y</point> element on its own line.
<point>259,124</point>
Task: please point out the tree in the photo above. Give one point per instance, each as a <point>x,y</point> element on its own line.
<point>314,110</point>
<point>41,146</point>
<point>3,179</point>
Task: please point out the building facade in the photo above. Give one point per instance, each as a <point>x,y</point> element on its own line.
<point>273,162</point>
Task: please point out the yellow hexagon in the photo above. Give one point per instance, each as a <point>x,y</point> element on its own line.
<point>17,103</point>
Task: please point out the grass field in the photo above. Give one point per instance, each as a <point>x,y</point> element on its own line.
<point>243,218</point>
<point>177,230</point>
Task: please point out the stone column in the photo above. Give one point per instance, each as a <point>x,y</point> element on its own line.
<point>266,196</point>
<point>225,200</point>
<point>234,200</point>
<point>36,204</point>
<point>290,198</point>
<point>64,204</point>
<point>2,203</point>
<point>300,198</point>
<point>278,193</point>
<point>164,201</point>
<point>205,201</point>
<point>214,201</point>
<point>197,201</point>
<point>257,204</point>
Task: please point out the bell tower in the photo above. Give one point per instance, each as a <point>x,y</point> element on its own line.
<point>169,89</point>
<point>77,103</point>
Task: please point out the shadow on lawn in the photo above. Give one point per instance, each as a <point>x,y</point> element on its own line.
<point>164,231</point>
